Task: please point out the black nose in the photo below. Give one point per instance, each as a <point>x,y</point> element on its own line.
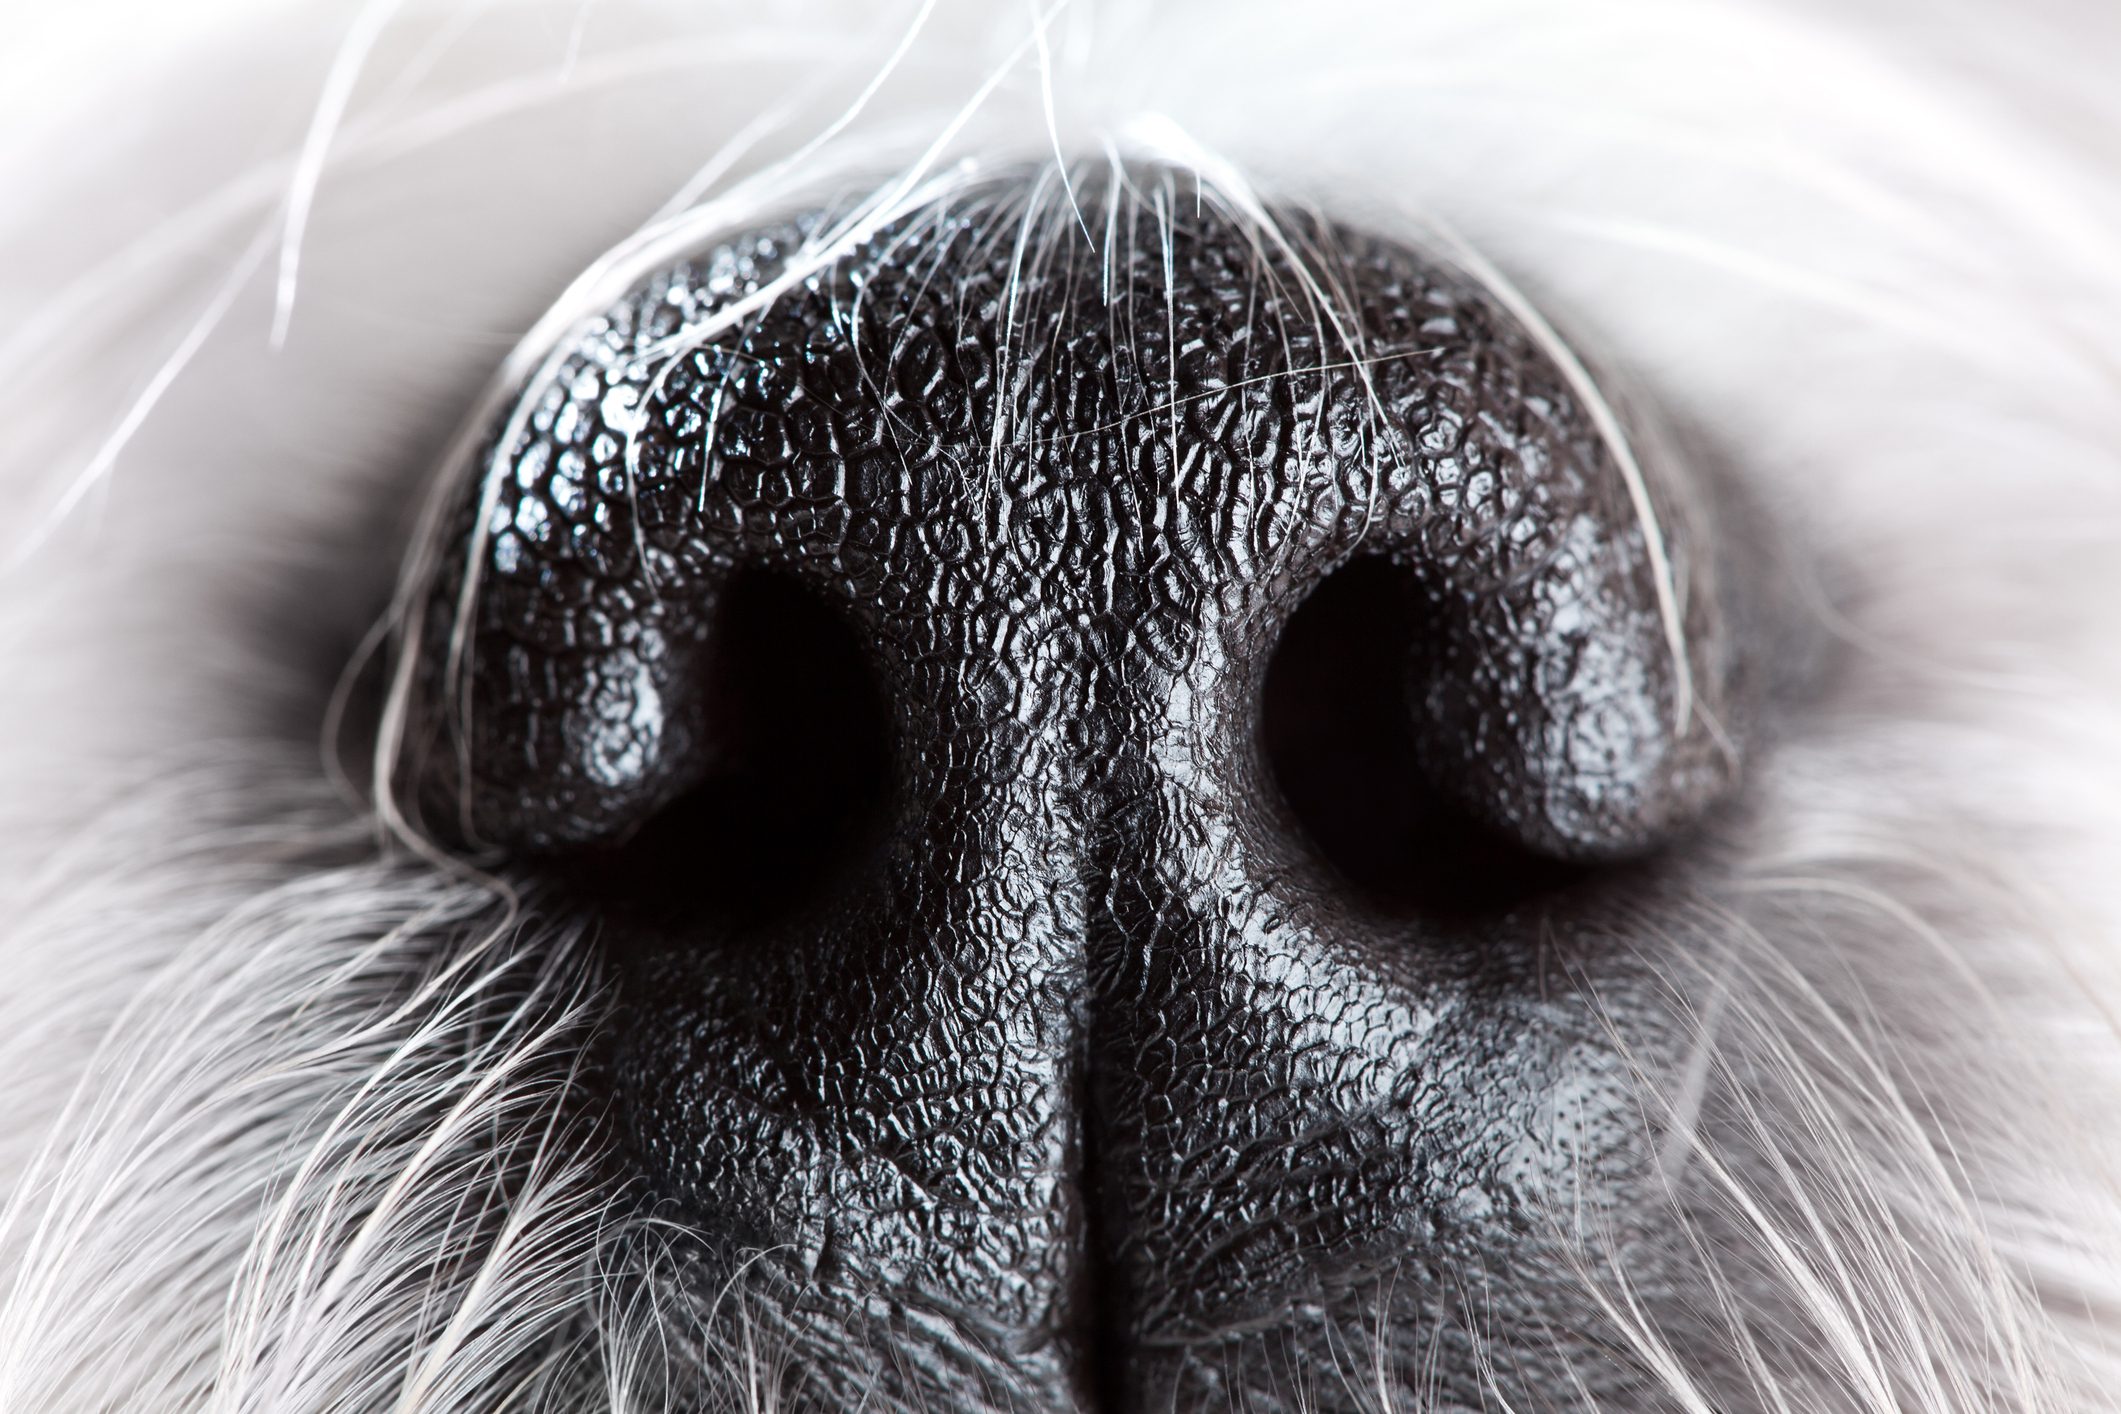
<point>1071,743</point>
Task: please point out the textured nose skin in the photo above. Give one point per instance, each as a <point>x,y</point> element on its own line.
<point>1088,1072</point>
<point>880,1092</point>
<point>1323,1124</point>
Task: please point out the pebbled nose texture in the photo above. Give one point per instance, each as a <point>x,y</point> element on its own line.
<point>1081,1075</point>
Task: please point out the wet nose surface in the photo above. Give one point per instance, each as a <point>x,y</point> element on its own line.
<point>1081,1054</point>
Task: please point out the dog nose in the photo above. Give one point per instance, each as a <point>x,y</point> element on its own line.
<point>1030,730</point>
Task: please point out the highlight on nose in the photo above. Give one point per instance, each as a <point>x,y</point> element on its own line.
<point>1052,711</point>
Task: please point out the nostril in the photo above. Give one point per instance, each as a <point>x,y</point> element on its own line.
<point>1338,730</point>
<point>793,771</point>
